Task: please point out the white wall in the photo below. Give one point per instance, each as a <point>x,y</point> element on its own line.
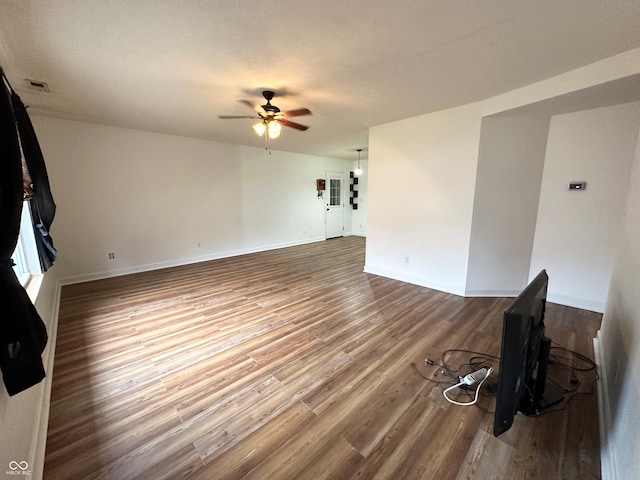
<point>421,188</point>
<point>619,341</point>
<point>158,200</point>
<point>510,164</point>
<point>154,200</point>
<point>576,231</point>
<point>422,177</point>
<point>413,167</point>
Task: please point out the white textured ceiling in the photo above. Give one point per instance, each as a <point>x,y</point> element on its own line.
<point>174,66</point>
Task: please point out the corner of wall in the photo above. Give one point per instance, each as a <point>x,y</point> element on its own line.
<point>607,465</point>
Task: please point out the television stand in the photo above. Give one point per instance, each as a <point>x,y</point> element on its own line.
<point>545,392</point>
<point>552,395</point>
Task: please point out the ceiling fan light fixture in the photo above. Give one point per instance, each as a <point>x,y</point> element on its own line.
<point>274,129</point>
<point>260,128</point>
<point>270,117</point>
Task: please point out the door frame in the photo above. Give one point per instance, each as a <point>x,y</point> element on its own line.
<point>333,175</point>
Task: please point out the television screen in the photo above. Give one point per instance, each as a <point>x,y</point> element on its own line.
<point>524,356</point>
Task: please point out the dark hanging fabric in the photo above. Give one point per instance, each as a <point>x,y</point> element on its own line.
<point>23,335</point>
<point>43,208</point>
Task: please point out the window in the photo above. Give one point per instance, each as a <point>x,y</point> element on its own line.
<point>25,256</point>
<point>20,267</point>
<point>334,192</point>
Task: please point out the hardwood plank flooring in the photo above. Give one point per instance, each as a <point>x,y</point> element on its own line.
<point>294,364</point>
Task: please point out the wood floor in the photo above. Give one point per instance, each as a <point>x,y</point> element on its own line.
<point>294,364</point>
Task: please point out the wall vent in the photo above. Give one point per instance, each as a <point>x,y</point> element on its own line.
<point>37,85</point>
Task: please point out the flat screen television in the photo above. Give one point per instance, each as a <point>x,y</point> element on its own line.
<point>524,355</point>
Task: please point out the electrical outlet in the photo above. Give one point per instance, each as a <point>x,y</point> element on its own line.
<point>112,256</point>
<point>406,260</point>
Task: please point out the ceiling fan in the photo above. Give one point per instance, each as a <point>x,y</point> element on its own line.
<point>271,117</point>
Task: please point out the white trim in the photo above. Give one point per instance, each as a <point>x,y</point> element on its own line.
<point>551,298</point>
<point>414,280</point>
<point>576,302</point>
<point>607,463</point>
<point>179,262</point>
<point>492,293</point>
<point>33,286</point>
<point>41,415</point>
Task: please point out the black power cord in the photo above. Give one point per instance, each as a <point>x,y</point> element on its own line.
<point>561,357</point>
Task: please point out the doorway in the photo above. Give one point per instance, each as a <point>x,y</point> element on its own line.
<point>334,218</point>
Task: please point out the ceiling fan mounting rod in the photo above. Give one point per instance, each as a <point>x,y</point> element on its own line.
<point>267,107</point>
<point>268,95</point>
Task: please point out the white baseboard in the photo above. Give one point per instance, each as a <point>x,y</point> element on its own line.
<point>179,262</point>
<point>551,298</point>
<point>403,277</point>
<point>607,464</point>
<point>574,302</point>
<point>492,293</point>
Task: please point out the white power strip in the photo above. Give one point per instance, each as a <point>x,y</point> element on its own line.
<point>474,377</point>
<point>479,375</point>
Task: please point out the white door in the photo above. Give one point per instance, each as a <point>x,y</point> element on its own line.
<point>335,205</point>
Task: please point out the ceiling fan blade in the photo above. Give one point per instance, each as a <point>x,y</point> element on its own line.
<point>256,107</point>
<point>297,113</point>
<point>227,117</point>
<point>295,125</point>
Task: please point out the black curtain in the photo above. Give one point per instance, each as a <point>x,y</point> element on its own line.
<point>41,202</point>
<point>23,335</point>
